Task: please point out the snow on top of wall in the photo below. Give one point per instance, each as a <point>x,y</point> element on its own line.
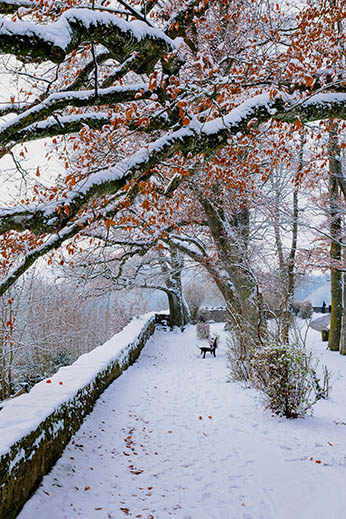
<point>23,414</point>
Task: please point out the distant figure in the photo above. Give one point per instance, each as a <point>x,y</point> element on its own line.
<point>324,306</point>
<point>330,308</point>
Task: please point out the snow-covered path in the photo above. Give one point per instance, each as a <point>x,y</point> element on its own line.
<point>171,438</point>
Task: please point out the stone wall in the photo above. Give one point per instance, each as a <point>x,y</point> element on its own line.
<point>35,430</point>
<point>218,314</point>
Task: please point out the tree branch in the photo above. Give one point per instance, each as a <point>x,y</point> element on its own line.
<point>56,40</point>
<point>196,138</point>
<point>58,101</point>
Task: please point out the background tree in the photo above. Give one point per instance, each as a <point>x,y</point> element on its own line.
<point>123,262</point>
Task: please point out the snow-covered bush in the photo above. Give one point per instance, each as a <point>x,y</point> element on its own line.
<point>305,311</point>
<point>302,309</point>
<point>286,376</point>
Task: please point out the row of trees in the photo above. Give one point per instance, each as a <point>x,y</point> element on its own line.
<point>45,324</point>
<point>183,129</point>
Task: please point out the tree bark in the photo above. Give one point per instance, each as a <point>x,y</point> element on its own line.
<point>335,246</point>
<point>342,350</point>
<point>290,267</point>
<point>178,311</point>
<point>179,314</point>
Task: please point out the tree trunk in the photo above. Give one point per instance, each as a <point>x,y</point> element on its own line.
<point>335,246</point>
<point>234,277</point>
<point>343,339</point>
<point>178,311</point>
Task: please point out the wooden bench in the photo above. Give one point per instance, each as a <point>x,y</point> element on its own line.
<point>213,344</point>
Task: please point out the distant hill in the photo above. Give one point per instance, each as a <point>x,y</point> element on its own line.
<point>315,289</point>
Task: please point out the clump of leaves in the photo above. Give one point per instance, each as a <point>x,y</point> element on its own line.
<point>286,376</point>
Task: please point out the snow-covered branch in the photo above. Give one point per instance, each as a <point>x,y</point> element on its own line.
<point>58,125</point>
<point>56,40</point>
<point>60,100</point>
<point>195,138</point>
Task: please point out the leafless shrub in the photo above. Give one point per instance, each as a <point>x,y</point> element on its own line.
<point>239,362</point>
<point>203,329</point>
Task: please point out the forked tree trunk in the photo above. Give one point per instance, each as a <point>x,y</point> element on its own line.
<point>287,263</point>
<point>233,275</point>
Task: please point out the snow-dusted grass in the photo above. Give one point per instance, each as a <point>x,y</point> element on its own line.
<point>173,438</point>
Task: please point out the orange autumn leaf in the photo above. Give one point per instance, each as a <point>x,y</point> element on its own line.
<point>297,124</point>
<point>309,81</point>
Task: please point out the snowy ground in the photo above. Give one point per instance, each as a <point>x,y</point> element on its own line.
<point>173,438</point>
